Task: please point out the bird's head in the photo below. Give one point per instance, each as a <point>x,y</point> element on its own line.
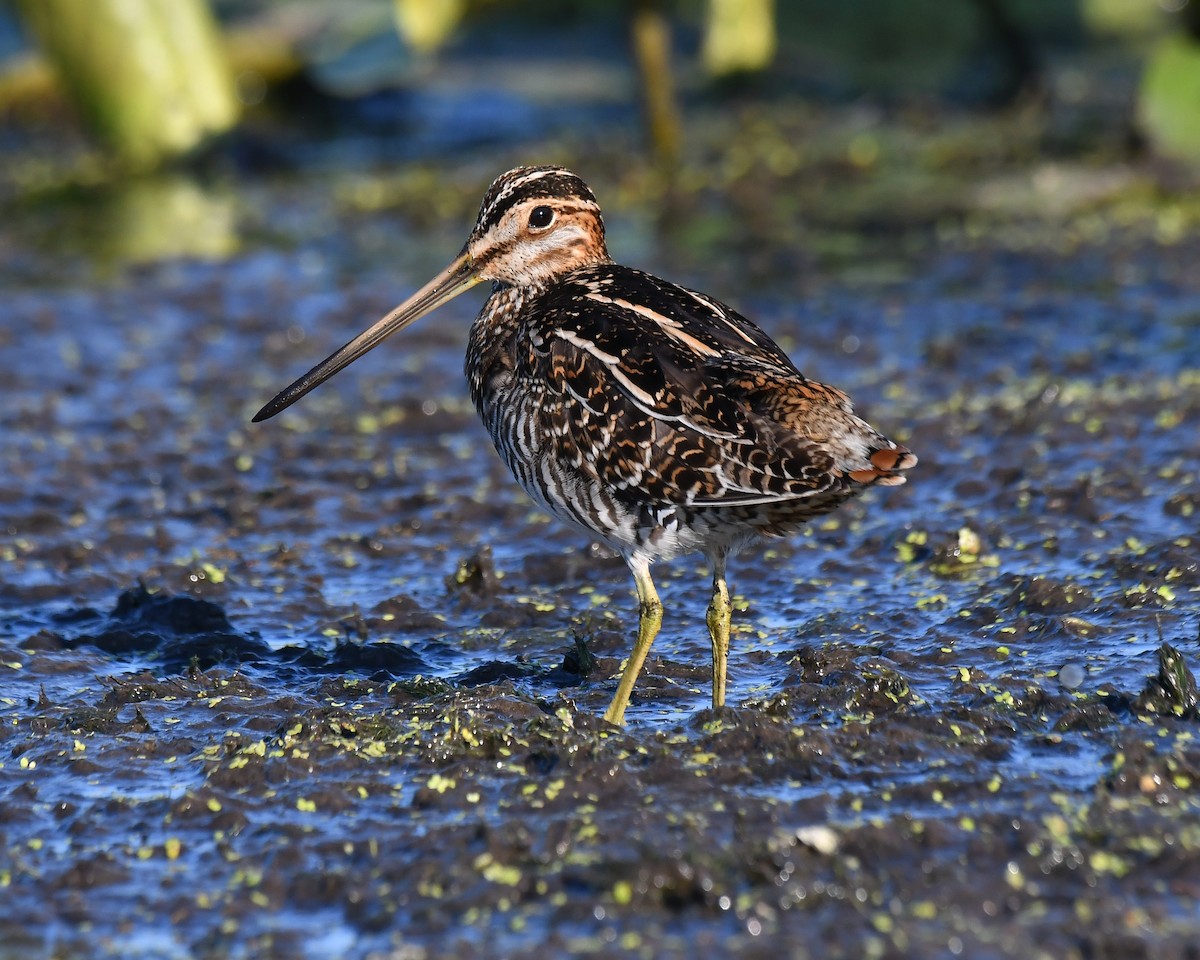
<point>535,224</point>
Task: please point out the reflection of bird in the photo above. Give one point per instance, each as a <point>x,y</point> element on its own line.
<point>649,415</point>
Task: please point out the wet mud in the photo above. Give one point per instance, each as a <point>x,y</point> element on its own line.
<point>332,686</point>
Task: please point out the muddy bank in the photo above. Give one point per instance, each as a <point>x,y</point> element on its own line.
<point>332,686</point>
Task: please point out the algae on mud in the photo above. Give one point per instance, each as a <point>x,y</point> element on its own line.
<point>331,724</point>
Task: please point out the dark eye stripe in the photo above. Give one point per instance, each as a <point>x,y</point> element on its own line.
<point>530,183</point>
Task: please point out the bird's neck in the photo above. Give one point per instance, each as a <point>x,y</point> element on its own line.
<point>536,284</point>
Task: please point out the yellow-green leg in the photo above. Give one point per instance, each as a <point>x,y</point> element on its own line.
<point>720,612</point>
<point>650,611</point>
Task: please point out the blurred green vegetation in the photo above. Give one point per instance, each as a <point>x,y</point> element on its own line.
<point>741,120</point>
<point>148,76</point>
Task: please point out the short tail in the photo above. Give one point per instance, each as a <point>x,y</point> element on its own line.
<point>887,466</point>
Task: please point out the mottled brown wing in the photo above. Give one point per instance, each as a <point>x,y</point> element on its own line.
<point>666,396</point>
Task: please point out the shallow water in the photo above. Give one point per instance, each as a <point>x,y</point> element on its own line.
<point>263,773</point>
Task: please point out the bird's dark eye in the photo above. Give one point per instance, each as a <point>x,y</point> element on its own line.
<point>541,217</point>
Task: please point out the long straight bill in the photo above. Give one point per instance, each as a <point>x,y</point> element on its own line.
<point>447,285</point>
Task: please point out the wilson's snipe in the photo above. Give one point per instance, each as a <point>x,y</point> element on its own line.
<point>649,415</point>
